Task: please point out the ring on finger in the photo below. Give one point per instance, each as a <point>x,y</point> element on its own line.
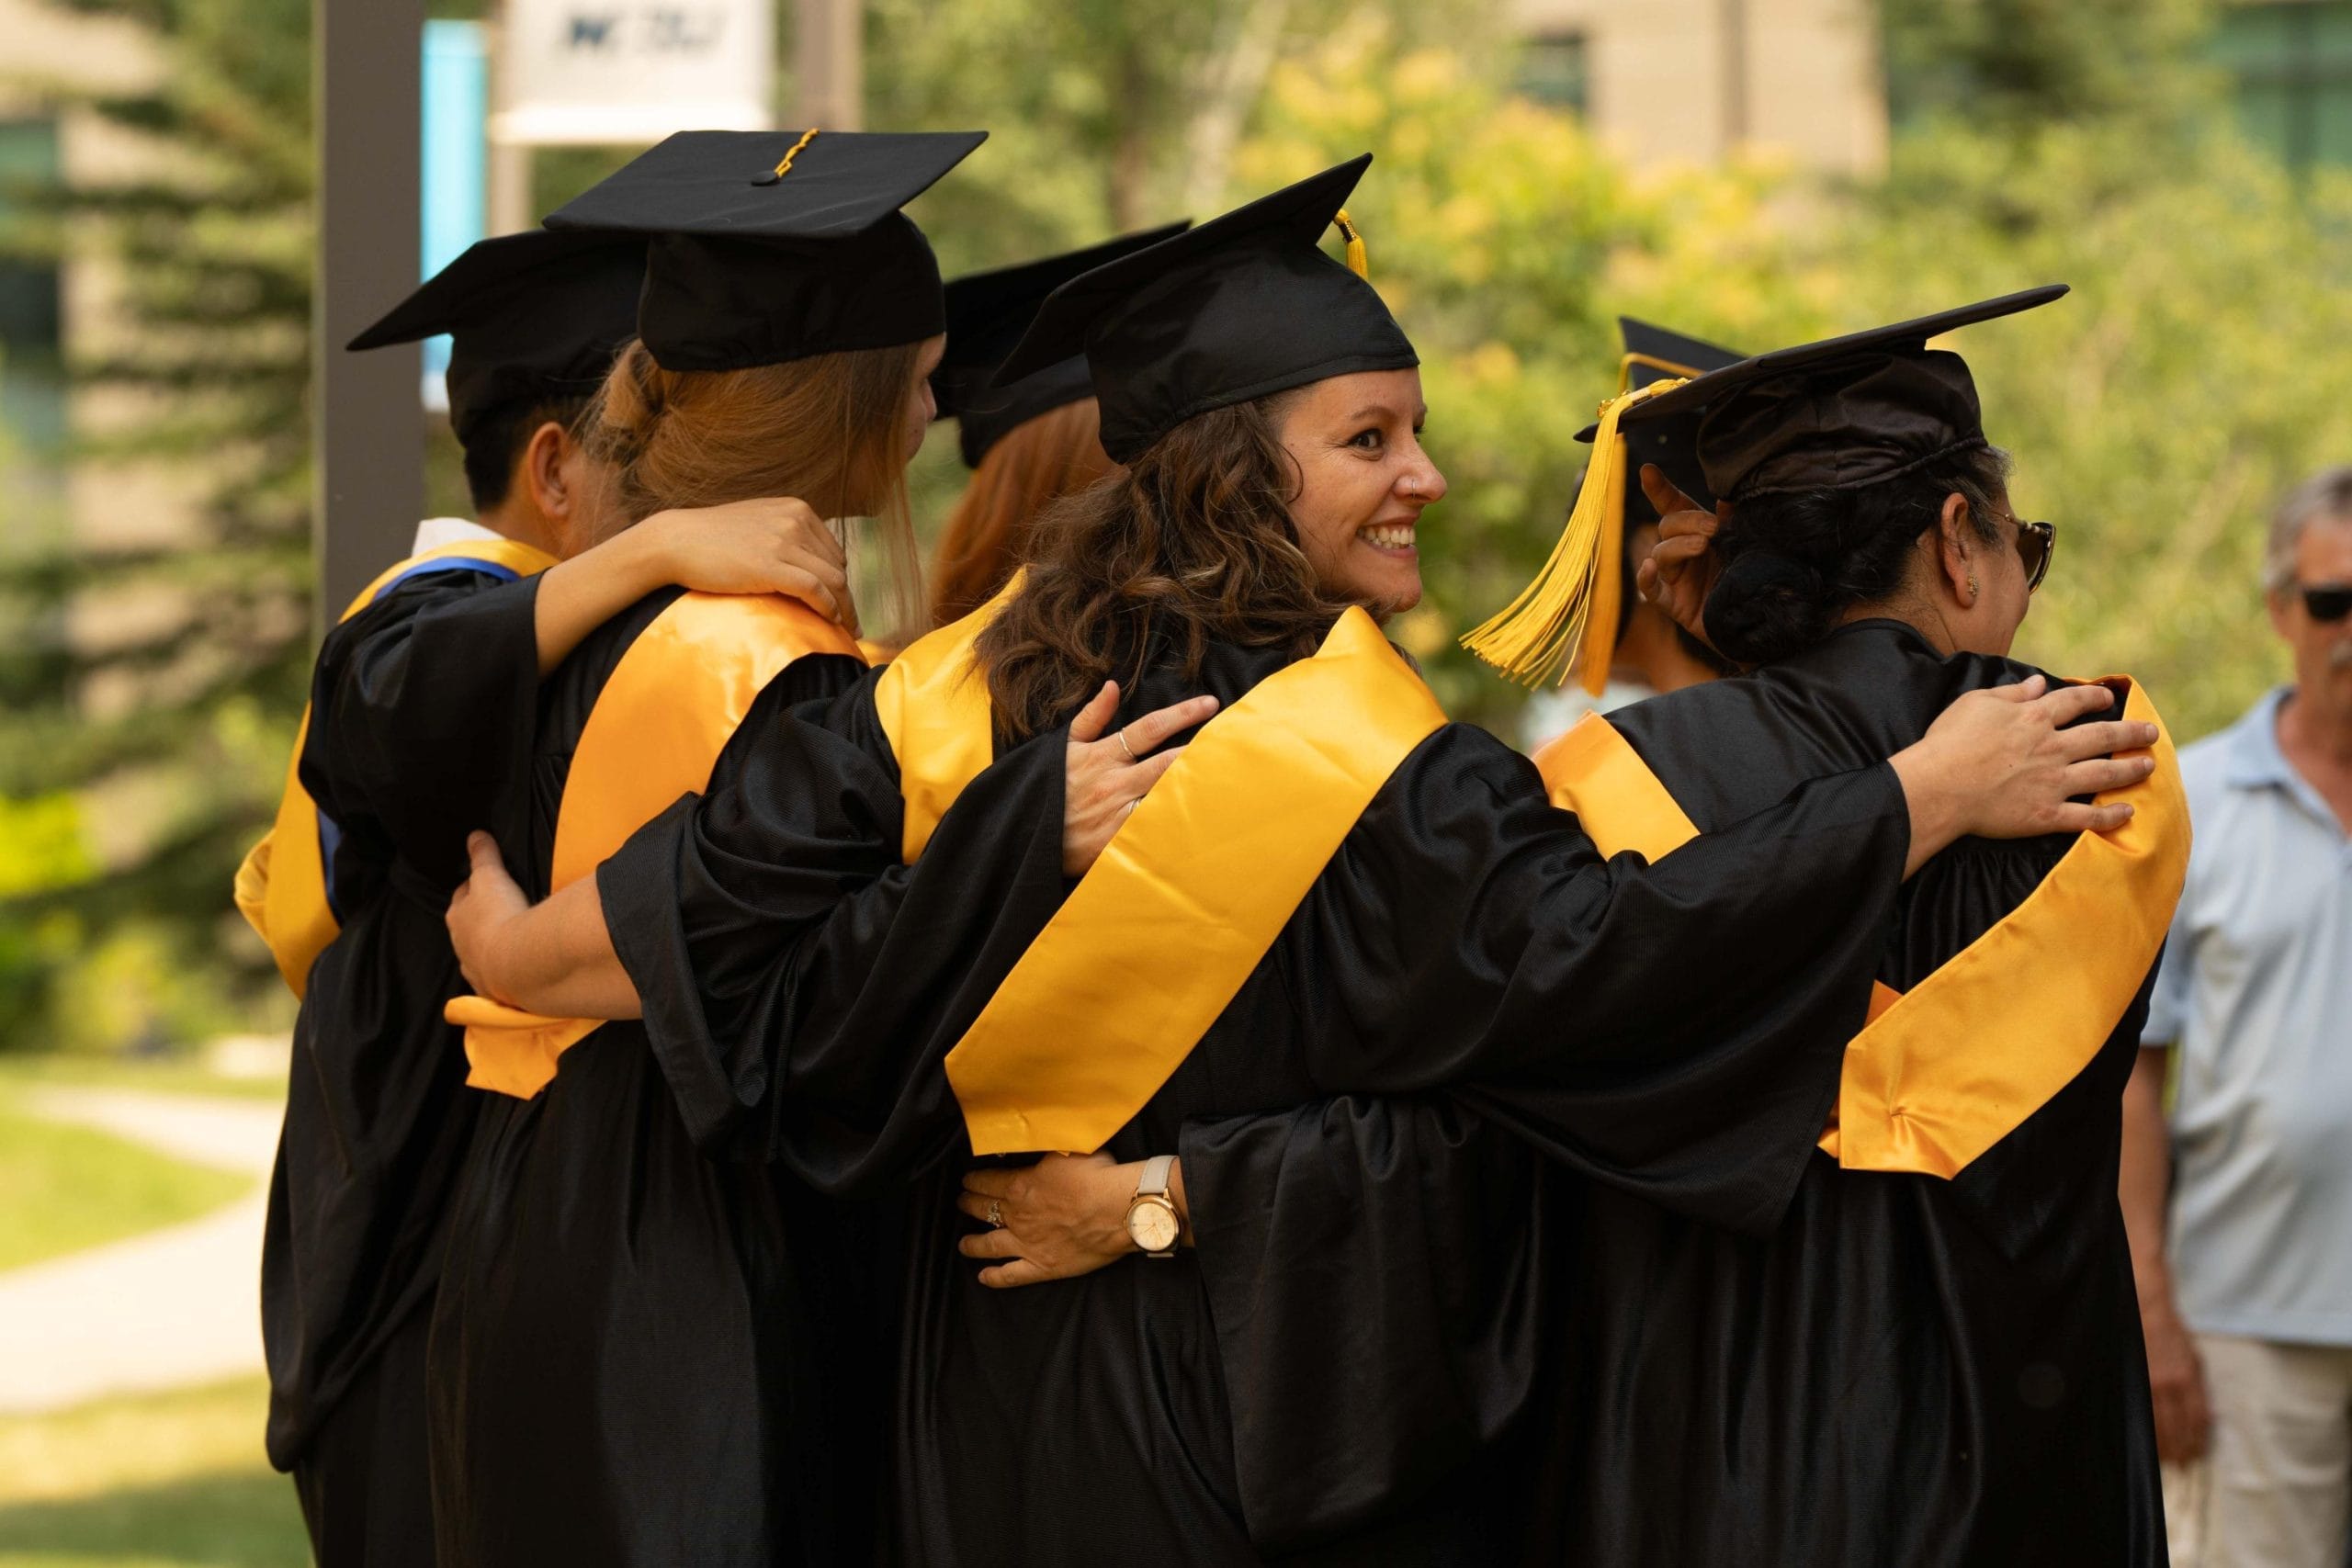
<point>996,1213</point>
<point>1124,747</point>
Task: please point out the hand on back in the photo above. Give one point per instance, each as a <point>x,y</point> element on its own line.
<point>2014,764</point>
<point>773,545</point>
<point>1107,778</point>
<point>478,913</point>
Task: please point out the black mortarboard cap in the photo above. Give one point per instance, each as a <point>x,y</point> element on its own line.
<point>987,312</point>
<point>1653,354</point>
<point>1841,413</point>
<point>531,317</point>
<point>1838,414</point>
<point>1245,305</point>
<point>770,246</point>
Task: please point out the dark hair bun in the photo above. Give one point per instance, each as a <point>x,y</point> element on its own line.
<point>1767,606</point>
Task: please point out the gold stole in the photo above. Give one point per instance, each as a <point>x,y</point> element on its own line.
<point>1940,1074</point>
<point>1105,1004</point>
<point>281,888</point>
<point>654,734</point>
<point>935,711</point>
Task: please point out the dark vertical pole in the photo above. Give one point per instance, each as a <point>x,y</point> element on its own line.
<point>366,425</point>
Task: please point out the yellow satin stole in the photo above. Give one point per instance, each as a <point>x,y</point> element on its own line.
<point>934,711</point>
<point>655,733</point>
<point>281,888</point>
<point>1188,899</point>
<point>1941,1073</point>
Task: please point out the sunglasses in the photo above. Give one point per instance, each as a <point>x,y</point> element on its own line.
<point>2036,542</point>
<point>2327,601</point>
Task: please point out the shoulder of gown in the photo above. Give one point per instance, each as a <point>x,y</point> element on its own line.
<point>422,714</point>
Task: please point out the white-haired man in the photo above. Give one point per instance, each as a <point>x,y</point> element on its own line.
<point>2241,1223</point>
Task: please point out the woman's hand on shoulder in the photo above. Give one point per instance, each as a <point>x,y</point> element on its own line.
<point>1106,777</point>
<point>773,545</point>
<point>2003,763</point>
<point>1064,1216</point>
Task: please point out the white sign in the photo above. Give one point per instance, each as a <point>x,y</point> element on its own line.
<point>619,72</point>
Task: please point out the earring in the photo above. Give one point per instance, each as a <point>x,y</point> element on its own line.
<point>1972,585</point>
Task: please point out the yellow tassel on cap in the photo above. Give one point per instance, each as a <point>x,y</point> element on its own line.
<point>1574,599</point>
<point>784,164</point>
<point>1356,263</point>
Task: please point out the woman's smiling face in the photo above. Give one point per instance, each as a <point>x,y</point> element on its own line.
<point>1363,481</point>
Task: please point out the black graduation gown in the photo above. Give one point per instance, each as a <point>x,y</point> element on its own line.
<point>1464,929</point>
<point>420,710</point>
<point>1903,1370</point>
<point>642,1355</point>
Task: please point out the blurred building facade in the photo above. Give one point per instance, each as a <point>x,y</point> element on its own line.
<point>1691,81</point>
<point>51,312</point>
<point>2290,64</point>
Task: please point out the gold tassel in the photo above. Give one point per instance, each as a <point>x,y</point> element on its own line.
<point>1356,263</point>
<point>783,166</point>
<point>1631,357</point>
<point>1575,597</point>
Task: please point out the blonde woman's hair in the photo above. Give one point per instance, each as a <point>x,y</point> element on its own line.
<point>829,429</point>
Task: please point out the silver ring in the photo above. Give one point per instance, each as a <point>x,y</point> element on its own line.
<point>1124,747</point>
<point>1131,805</point>
<point>996,1214</point>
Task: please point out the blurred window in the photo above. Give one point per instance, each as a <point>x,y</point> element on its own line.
<point>1554,69</point>
<point>2291,62</point>
<point>32,359</point>
<point>31,318</point>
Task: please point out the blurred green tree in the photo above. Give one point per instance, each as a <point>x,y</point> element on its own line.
<point>153,675</point>
<point>2157,413</point>
<point>2022,65</point>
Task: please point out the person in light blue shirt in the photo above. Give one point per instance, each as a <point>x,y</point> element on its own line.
<point>2241,1219</point>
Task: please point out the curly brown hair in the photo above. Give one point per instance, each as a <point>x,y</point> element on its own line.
<point>1192,544</point>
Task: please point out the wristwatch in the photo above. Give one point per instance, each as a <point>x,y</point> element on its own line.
<point>1152,1214</point>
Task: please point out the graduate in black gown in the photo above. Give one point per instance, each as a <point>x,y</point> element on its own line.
<point>1426,916</point>
<point>640,1355</point>
<point>1931,1357</point>
<point>1934,1358</point>
<point>420,714</point>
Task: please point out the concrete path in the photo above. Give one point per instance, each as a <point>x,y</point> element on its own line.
<point>174,1306</point>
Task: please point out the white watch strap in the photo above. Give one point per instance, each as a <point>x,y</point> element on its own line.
<point>1153,1183</point>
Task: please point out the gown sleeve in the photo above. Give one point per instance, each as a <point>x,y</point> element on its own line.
<point>1468,934</point>
<point>1673,1028</point>
<point>796,976</point>
<point>1385,1279</point>
<point>421,713</point>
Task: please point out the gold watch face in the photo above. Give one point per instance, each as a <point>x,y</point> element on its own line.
<point>1153,1226</point>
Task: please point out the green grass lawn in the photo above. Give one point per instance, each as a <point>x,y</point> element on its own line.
<point>64,1188</point>
<point>163,1075</point>
<point>165,1481</point>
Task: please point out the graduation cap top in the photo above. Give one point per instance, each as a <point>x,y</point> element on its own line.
<point>770,246</point>
<point>1838,414</point>
<point>987,314</point>
<point>1245,305</point>
<point>532,318</point>
<point>1841,413</point>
